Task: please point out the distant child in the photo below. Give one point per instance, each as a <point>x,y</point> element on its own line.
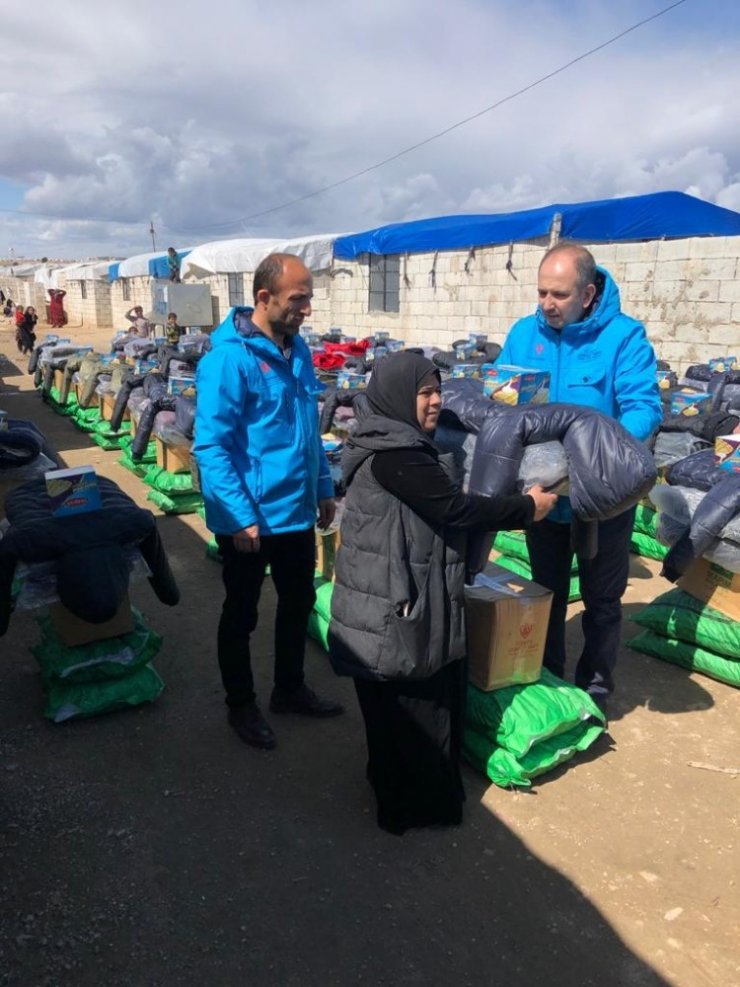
<point>18,324</point>
<point>172,330</point>
<point>173,265</point>
<point>27,330</point>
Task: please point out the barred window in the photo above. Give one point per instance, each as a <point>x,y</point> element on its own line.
<point>385,280</point>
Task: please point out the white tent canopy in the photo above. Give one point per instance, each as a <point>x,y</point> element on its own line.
<point>243,256</point>
<point>136,266</point>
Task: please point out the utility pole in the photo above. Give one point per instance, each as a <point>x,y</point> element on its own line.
<point>151,231</point>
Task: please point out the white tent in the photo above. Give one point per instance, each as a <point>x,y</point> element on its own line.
<point>243,256</point>
<point>137,266</point>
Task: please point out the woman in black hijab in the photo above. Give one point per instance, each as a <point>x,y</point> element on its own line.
<point>397,606</point>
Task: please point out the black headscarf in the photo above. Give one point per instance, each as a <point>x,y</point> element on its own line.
<point>395,382</point>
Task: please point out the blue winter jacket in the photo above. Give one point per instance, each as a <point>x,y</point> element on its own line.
<point>257,439</point>
<point>604,362</point>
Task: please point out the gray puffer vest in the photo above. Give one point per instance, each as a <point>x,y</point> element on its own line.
<point>397,603</point>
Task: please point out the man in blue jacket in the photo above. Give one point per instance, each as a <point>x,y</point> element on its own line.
<point>602,359</point>
<point>264,477</point>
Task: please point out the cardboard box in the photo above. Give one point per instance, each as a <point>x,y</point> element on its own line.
<point>727,452</point>
<point>74,632</point>
<point>184,385</point>
<point>714,585</point>
<point>107,404</point>
<point>721,364</point>
<point>73,491</point>
<point>174,459</point>
<point>506,618</point>
<point>688,402</point>
<point>327,545</point>
<point>515,385</point>
<point>59,380</point>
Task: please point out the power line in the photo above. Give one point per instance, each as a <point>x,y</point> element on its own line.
<point>393,157</point>
<point>447,130</point>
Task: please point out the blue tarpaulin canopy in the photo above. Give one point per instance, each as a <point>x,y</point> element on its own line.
<point>158,266</point>
<point>661,215</point>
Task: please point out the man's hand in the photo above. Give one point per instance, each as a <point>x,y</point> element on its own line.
<point>248,539</point>
<point>327,510</point>
<point>543,501</point>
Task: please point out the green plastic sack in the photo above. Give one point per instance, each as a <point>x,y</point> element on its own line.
<point>506,769</point>
<point>52,399</point>
<point>213,551</point>
<point>320,616</point>
<point>103,441</point>
<point>524,569</point>
<point>138,467</point>
<point>646,520</point>
<point>86,418</point>
<point>186,503</point>
<point>689,656</point>
<point>104,428</point>
<point>520,716</point>
<point>647,546</point>
<point>174,483</point>
<point>514,545</point>
<point>680,616</point>
<point>112,658</point>
<point>73,702</point>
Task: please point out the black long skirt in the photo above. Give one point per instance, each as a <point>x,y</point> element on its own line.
<point>414,737</point>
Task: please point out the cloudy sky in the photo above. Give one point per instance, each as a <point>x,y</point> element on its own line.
<point>204,116</point>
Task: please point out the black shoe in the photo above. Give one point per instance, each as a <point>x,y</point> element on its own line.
<point>303,701</point>
<point>252,727</point>
<point>600,700</point>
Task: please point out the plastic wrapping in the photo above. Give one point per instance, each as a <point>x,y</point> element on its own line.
<point>111,658</point>
<point>37,582</point>
<point>70,702</point>
<point>670,447</point>
<point>546,464</point>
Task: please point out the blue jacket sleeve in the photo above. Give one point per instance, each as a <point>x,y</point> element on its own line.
<point>635,384</point>
<point>325,484</point>
<point>218,422</point>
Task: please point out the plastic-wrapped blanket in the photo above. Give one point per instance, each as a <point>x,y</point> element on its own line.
<point>717,509</point>
<point>677,509</point>
<point>698,470</point>
<point>21,444</point>
<point>92,568</point>
<point>609,470</point>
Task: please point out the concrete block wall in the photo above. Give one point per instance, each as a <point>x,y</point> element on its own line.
<point>687,292</point>
<point>92,312</point>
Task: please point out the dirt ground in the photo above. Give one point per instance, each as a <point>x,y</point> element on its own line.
<point>150,847</point>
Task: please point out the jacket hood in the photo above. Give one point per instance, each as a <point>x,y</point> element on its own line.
<point>606,307</point>
<point>376,433</point>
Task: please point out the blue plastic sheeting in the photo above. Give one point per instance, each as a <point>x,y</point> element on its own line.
<point>113,271</point>
<point>158,267</point>
<point>657,216</point>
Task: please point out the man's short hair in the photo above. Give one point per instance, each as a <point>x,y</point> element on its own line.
<point>583,259</point>
<point>269,271</point>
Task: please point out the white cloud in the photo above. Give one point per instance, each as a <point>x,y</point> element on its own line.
<point>201,118</point>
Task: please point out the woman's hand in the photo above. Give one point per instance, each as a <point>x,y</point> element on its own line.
<point>543,501</point>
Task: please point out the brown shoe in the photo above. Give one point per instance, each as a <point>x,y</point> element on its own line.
<point>305,702</point>
<point>251,726</point>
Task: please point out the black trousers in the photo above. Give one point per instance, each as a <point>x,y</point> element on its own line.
<point>291,558</point>
<point>603,582</point>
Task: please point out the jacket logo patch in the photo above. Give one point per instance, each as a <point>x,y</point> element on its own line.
<point>539,348</point>
<point>525,630</point>
<point>265,367</point>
